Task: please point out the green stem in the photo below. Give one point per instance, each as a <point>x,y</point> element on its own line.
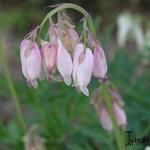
<point>84,33</point>
<point>108,103</point>
<point>11,87</point>
<point>69,6</point>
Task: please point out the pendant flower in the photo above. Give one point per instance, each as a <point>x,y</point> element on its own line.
<point>100,65</point>
<point>105,118</point>
<point>31,61</point>
<point>49,52</point>
<point>64,63</point>
<point>82,68</point>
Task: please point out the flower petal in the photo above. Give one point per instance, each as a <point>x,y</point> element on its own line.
<point>33,62</point>
<point>30,59</point>
<point>49,55</point>
<point>84,72</point>
<point>125,23</point>
<point>64,63</point>
<point>120,115</point>
<point>105,119</point>
<point>100,65</point>
<point>78,51</point>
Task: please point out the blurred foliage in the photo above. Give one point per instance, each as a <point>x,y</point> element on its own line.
<point>66,118</point>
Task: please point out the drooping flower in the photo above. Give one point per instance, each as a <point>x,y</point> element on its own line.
<point>49,52</point>
<point>124,22</point>
<point>120,115</point>
<point>30,61</point>
<point>64,63</point>
<point>82,68</point>
<point>100,65</point>
<point>78,51</point>
<point>105,118</point>
<point>129,27</point>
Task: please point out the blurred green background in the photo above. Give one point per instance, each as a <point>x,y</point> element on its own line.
<point>67,119</point>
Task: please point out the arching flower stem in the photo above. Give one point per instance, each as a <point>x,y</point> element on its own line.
<point>69,6</point>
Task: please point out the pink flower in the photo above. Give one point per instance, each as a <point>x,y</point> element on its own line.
<point>49,52</point>
<point>78,51</point>
<point>30,61</point>
<point>64,63</point>
<point>82,68</point>
<point>120,115</point>
<point>105,119</point>
<point>100,65</point>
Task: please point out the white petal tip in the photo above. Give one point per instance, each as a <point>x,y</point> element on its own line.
<point>67,80</point>
<point>85,91</point>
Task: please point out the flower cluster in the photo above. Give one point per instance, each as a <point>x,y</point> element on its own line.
<point>105,118</point>
<point>63,56</point>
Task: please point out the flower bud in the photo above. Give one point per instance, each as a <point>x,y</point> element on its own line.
<point>30,61</point>
<point>120,115</point>
<point>49,52</point>
<point>100,65</point>
<point>105,119</point>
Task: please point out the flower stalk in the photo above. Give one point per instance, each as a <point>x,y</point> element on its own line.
<point>11,87</point>
<point>84,33</point>
<point>108,102</point>
<point>69,6</point>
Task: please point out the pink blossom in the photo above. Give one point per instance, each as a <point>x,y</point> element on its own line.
<point>120,115</point>
<point>82,68</point>
<point>78,51</point>
<point>105,119</point>
<point>64,63</point>
<point>49,52</point>
<point>100,65</point>
<point>31,61</point>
